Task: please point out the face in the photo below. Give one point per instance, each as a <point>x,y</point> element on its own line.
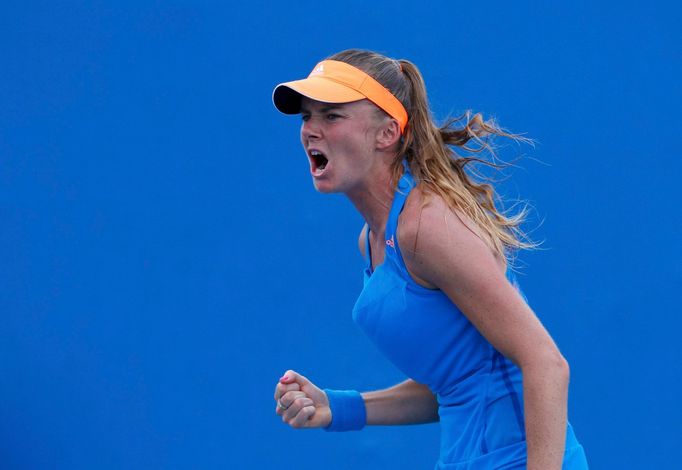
<point>340,141</point>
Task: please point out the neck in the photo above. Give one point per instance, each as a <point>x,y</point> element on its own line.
<point>373,198</point>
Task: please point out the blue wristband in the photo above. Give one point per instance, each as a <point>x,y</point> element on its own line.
<point>348,410</point>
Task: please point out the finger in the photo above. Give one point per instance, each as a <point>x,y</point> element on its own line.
<point>281,389</point>
<point>303,417</point>
<point>288,401</point>
<point>290,413</point>
<point>293,376</point>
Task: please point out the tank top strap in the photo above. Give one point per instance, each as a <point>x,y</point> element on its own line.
<point>368,250</point>
<point>405,185</point>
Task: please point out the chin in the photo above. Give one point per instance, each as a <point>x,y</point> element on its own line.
<point>324,189</point>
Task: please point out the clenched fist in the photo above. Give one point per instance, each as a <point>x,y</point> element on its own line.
<point>300,403</point>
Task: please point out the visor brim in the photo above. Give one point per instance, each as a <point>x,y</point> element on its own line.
<point>287,96</point>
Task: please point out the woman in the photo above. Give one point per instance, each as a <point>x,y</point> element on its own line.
<point>439,298</point>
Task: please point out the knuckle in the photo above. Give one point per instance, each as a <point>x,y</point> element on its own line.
<point>305,415</point>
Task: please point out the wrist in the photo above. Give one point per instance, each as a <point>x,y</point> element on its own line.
<point>347,409</point>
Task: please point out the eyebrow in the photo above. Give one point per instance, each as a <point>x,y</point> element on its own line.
<point>324,109</point>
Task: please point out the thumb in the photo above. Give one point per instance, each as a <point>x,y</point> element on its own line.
<point>292,376</point>
<point>313,392</point>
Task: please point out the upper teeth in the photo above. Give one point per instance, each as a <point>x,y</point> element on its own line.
<point>315,152</point>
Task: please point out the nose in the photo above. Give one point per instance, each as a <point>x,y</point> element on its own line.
<point>309,130</point>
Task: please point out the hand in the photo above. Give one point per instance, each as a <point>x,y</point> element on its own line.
<point>306,405</point>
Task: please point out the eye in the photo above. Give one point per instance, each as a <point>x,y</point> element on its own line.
<point>332,117</point>
<point>305,117</point>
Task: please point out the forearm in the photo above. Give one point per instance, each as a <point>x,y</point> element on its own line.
<point>408,402</point>
<point>545,391</point>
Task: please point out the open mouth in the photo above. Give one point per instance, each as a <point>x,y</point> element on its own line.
<point>319,162</point>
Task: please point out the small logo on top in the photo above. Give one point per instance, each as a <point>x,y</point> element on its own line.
<point>390,242</point>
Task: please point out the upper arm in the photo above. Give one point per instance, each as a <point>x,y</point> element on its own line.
<point>449,255</point>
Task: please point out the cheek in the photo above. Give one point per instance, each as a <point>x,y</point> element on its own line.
<point>359,139</point>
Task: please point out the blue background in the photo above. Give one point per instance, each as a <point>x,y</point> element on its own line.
<point>165,257</point>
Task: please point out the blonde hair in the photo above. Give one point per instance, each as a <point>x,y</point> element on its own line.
<point>433,161</point>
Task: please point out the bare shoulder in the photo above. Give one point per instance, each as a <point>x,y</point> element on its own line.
<point>433,235</point>
<point>427,216</point>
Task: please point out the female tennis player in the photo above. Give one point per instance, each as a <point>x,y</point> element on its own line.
<point>439,299</point>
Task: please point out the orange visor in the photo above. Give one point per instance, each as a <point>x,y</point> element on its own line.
<point>332,81</point>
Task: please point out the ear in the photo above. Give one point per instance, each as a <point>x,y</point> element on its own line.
<point>388,134</point>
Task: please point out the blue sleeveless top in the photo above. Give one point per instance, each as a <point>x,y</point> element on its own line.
<point>427,337</point>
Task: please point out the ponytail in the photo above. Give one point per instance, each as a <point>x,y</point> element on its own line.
<point>430,151</point>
